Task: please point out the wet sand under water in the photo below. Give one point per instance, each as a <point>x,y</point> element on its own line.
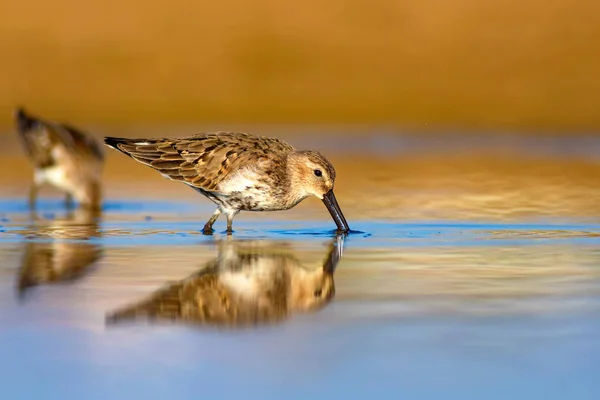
<point>473,274</point>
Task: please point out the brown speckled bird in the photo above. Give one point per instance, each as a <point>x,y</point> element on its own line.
<point>239,171</point>
<point>250,283</point>
<point>63,157</point>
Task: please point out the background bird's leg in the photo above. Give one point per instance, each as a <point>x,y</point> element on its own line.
<point>69,201</point>
<point>208,230</point>
<point>33,191</point>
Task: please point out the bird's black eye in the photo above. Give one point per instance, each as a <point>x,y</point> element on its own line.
<point>318,172</point>
<point>318,293</point>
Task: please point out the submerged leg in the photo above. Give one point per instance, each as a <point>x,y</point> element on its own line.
<point>230,222</point>
<point>33,191</point>
<point>208,230</point>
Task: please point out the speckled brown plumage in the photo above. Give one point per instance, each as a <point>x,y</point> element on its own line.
<point>62,156</point>
<point>203,161</point>
<point>250,283</point>
<point>239,171</point>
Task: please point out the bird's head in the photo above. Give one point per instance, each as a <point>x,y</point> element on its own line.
<point>311,174</point>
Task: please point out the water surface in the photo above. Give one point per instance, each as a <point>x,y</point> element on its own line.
<point>473,274</point>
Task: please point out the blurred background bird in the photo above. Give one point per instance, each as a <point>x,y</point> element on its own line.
<point>63,157</point>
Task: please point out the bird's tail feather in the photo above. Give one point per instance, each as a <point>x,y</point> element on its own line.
<point>24,121</point>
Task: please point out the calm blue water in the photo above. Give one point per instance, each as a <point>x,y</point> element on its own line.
<point>421,310</point>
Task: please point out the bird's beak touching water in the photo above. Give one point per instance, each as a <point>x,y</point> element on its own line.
<point>335,211</point>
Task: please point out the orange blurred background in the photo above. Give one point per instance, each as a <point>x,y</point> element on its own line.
<point>500,64</point>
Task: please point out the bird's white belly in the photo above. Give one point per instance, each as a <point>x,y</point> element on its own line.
<point>55,176</point>
<point>245,190</point>
<point>241,181</point>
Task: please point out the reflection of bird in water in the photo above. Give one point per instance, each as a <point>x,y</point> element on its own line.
<point>63,157</point>
<point>61,258</point>
<point>250,283</point>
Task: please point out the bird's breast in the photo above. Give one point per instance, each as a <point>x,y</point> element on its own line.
<point>55,175</point>
<point>250,190</point>
<point>241,181</point>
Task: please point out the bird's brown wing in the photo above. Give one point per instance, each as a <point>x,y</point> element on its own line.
<point>80,142</point>
<point>201,161</point>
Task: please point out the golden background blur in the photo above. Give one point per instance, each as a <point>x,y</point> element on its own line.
<point>527,65</point>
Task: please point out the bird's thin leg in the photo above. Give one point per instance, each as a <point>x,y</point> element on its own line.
<point>208,230</point>
<point>33,191</point>
<point>230,222</point>
<point>69,201</point>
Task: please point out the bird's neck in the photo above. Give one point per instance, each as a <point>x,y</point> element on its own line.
<point>294,188</point>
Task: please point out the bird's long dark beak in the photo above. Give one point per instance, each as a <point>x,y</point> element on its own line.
<point>336,213</point>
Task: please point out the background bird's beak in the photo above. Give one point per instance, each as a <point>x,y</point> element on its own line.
<point>336,213</point>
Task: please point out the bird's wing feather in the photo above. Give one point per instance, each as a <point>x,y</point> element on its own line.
<point>79,141</point>
<point>201,161</point>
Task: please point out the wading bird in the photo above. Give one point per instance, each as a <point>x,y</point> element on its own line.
<point>239,171</point>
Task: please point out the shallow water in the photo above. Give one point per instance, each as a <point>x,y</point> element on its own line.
<point>473,273</point>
